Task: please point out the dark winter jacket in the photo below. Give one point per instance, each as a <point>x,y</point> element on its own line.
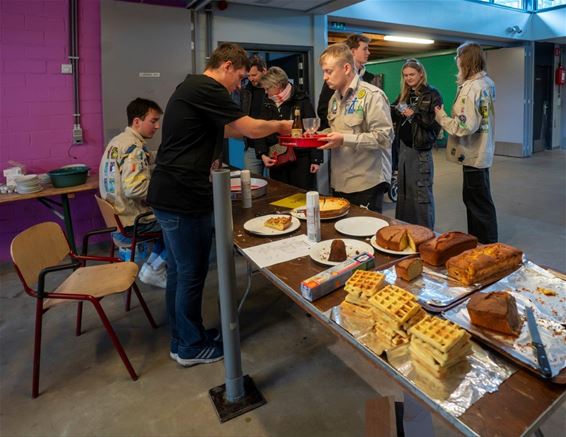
<point>286,112</point>
<point>425,129</point>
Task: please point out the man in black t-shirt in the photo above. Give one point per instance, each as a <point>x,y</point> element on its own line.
<point>198,116</point>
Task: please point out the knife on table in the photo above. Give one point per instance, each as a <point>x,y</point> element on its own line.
<point>538,344</point>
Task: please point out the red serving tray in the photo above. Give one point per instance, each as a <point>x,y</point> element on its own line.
<point>305,142</point>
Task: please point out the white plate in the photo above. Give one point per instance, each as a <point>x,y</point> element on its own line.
<point>256,183</point>
<point>360,226</point>
<point>321,251</point>
<point>407,251</point>
<point>25,178</point>
<point>299,213</point>
<point>25,191</point>
<point>256,226</point>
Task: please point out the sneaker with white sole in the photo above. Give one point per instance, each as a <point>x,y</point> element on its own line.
<point>149,276</point>
<point>211,335</point>
<point>210,353</point>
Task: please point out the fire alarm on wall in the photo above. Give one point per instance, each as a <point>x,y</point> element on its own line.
<point>222,4</point>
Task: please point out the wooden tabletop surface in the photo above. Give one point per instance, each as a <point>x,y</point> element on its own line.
<point>90,184</point>
<point>520,404</point>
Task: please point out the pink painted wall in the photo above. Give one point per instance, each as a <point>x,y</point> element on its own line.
<point>37,104</point>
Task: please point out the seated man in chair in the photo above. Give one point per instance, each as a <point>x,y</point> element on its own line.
<point>124,178</point>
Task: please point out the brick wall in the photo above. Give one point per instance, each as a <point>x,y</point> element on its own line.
<point>36,104</point>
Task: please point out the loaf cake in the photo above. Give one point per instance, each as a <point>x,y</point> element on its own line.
<point>280,222</point>
<point>496,311</point>
<point>438,250</point>
<point>484,262</point>
<point>401,237</point>
<point>409,269</point>
<point>333,206</point>
<point>337,251</point>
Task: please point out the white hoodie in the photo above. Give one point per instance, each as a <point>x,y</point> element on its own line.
<point>471,139</point>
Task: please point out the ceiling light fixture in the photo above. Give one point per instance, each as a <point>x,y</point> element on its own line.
<point>408,39</point>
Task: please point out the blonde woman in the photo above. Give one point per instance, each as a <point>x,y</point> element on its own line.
<point>416,131</point>
<point>471,140</point>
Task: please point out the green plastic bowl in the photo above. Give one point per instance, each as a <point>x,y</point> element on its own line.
<point>68,176</point>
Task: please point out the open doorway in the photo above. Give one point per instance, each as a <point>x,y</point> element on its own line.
<point>295,60</point>
<point>542,97</point>
<point>297,63</point>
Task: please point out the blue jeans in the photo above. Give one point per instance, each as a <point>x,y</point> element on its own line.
<point>188,239</point>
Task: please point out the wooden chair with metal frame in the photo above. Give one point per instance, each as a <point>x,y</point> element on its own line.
<point>113,223</point>
<point>41,250</point>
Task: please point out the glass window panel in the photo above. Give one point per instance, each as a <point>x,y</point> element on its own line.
<point>518,4</point>
<point>543,4</point>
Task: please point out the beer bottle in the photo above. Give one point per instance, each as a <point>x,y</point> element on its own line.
<point>297,128</point>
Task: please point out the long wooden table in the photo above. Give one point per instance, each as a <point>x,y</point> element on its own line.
<point>517,408</point>
<point>44,195</point>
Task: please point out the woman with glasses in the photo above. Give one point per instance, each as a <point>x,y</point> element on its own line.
<point>471,141</point>
<point>416,132</point>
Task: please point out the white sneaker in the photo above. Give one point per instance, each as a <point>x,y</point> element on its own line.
<point>149,276</point>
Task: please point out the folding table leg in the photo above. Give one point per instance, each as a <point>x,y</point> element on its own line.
<point>248,286</point>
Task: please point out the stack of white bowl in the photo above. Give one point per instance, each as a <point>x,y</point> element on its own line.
<point>28,183</point>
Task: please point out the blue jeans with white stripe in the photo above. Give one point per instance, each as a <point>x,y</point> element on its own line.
<point>188,240</point>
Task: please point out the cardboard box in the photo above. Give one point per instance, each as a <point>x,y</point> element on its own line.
<point>335,277</point>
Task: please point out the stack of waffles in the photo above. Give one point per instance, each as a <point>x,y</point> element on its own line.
<point>437,346</point>
<point>359,288</point>
<point>395,310</point>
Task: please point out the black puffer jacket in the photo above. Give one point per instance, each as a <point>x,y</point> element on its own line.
<point>270,111</point>
<point>425,129</point>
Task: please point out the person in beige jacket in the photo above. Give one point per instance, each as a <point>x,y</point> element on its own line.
<point>360,134</point>
<point>471,138</point>
<point>124,179</point>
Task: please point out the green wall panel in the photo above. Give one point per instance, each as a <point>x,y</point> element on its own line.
<point>441,72</point>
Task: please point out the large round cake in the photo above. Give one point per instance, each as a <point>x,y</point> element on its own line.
<point>333,206</point>
<point>401,237</point>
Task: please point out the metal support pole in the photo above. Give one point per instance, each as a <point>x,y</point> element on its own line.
<point>239,394</point>
<point>227,284</point>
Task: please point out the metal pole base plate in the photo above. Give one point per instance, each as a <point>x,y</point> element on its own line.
<point>228,410</point>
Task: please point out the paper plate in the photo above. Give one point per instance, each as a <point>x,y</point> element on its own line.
<point>321,251</point>
<point>407,251</point>
<point>360,226</point>
<point>257,226</point>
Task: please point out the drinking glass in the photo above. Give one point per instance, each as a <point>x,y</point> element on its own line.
<point>311,125</point>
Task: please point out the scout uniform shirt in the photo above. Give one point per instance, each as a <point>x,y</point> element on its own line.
<point>124,175</point>
<point>471,139</point>
<point>364,117</point>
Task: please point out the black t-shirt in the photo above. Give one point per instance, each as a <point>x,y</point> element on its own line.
<point>192,138</point>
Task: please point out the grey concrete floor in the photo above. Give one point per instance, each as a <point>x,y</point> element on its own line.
<point>315,384</point>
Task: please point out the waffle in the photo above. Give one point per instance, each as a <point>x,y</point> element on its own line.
<point>398,305</point>
<point>388,334</point>
<point>364,283</point>
<point>426,354</point>
<point>356,308</point>
<point>439,333</point>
